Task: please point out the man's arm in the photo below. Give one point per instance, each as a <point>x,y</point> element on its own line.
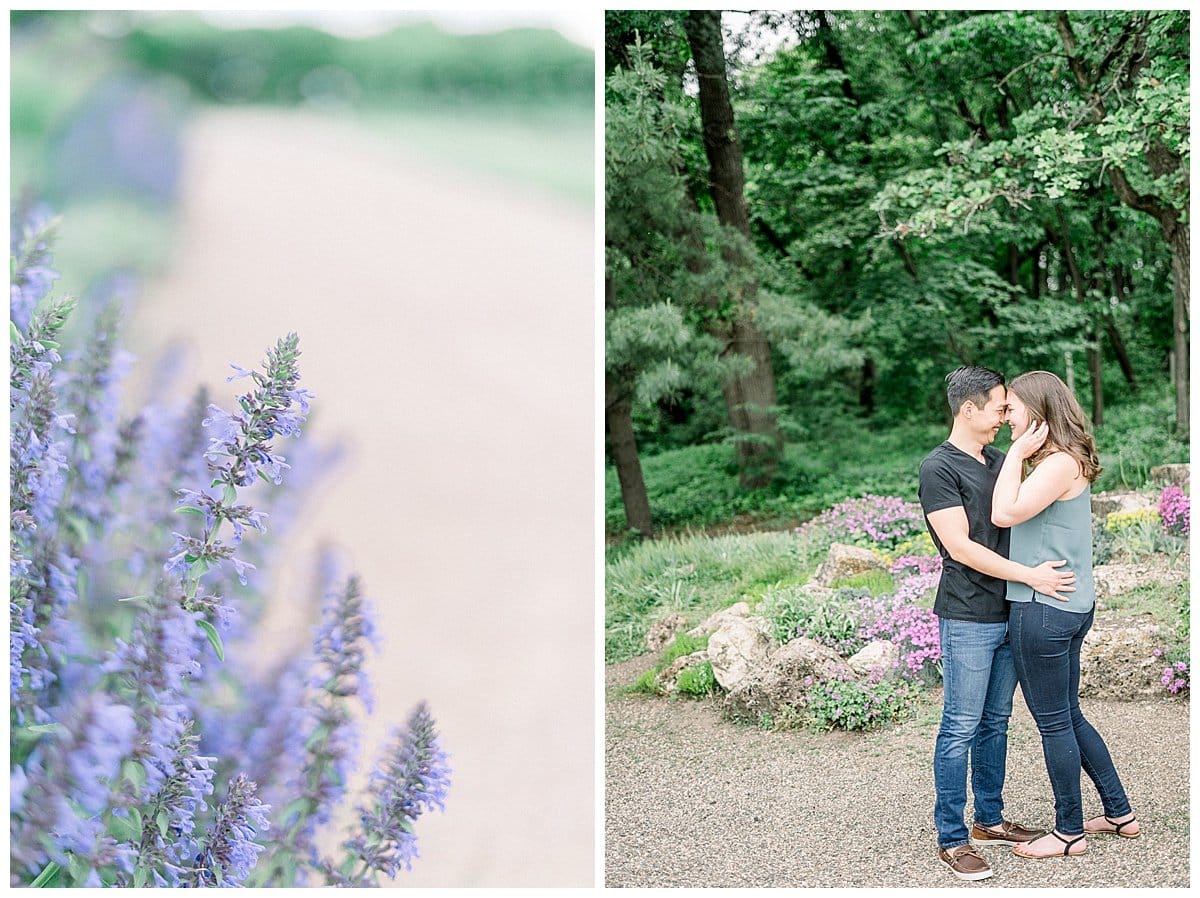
<point>952,529</point>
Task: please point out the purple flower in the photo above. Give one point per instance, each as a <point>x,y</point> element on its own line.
<point>412,780</point>
<point>230,851</point>
<point>157,664</point>
<point>166,858</point>
<point>1174,507</point>
<point>31,231</point>
<point>337,675</point>
<point>883,520</point>
<point>67,785</point>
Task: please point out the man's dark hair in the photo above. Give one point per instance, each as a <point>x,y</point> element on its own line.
<point>973,383</point>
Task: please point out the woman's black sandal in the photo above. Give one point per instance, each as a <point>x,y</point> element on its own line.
<point>1066,850</point>
<point>1117,827</point>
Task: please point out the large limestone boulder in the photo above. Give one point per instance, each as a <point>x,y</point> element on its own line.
<point>1115,579</point>
<point>1179,474</point>
<point>1104,504</point>
<point>664,630</point>
<point>784,681</point>
<point>715,620</point>
<point>846,561</point>
<point>877,655</point>
<point>739,646</point>
<point>1118,660</point>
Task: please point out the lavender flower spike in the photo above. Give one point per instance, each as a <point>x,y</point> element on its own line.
<point>231,852</point>
<point>415,779</point>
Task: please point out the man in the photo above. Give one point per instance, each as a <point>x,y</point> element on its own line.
<point>979,679</point>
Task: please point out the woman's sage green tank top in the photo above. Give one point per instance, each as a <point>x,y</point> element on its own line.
<point>1063,529</point>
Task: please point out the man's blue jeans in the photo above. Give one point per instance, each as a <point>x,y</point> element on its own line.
<point>979,680</point>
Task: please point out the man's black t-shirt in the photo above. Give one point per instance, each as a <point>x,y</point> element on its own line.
<point>951,477</point>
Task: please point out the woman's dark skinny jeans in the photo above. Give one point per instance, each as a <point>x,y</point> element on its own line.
<point>1046,643</point>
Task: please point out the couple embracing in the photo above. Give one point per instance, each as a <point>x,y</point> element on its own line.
<point>1016,599</point>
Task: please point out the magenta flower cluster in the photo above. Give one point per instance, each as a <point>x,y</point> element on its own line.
<point>884,520</point>
<point>1176,677</point>
<point>1174,506</point>
<point>901,621</point>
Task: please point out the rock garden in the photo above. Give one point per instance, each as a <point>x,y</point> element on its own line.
<point>834,627</point>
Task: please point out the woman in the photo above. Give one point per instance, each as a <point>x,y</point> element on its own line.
<point>1050,513</point>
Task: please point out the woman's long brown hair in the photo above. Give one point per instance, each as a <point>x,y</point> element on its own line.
<point>1048,399</point>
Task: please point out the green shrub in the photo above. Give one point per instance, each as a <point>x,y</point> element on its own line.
<point>645,683</point>
<point>697,681</point>
<point>698,485</point>
<point>831,621</point>
<point>680,646</point>
<point>1136,437</point>
<point>857,705</point>
<point>1135,536</point>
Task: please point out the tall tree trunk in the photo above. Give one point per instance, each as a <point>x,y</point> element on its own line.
<point>1094,358</point>
<point>750,398</point>
<point>1181,268</point>
<point>1161,161</point>
<point>866,388</point>
<point>1117,284</point>
<point>618,423</point>
<point>622,443</point>
<point>1119,350</point>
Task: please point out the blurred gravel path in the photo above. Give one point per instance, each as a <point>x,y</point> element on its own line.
<point>692,800</point>
<point>446,323</point>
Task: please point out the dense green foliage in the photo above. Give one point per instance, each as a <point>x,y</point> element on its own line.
<point>412,63</point>
<point>926,190</point>
<point>697,486</point>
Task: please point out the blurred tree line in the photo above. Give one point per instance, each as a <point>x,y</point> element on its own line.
<point>823,213</point>
<point>290,65</point>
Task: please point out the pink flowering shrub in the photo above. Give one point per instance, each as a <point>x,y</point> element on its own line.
<point>1176,677</point>
<point>902,621</point>
<point>1174,507</point>
<point>876,521</point>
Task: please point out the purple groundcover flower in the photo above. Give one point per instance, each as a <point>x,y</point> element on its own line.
<point>884,520</point>
<point>1176,677</point>
<point>1174,507</point>
<point>900,620</point>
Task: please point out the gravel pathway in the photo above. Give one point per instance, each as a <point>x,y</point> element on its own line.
<point>692,800</point>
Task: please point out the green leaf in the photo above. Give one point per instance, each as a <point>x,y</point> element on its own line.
<point>135,773</point>
<point>189,509</point>
<point>14,335</point>
<point>43,728</point>
<point>214,638</point>
<point>79,869</point>
<point>230,494</point>
<point>125,829</point>
<point>163,821</point>
<point>140,877</point>
<point>48,877</point>
<point>134,599</point>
